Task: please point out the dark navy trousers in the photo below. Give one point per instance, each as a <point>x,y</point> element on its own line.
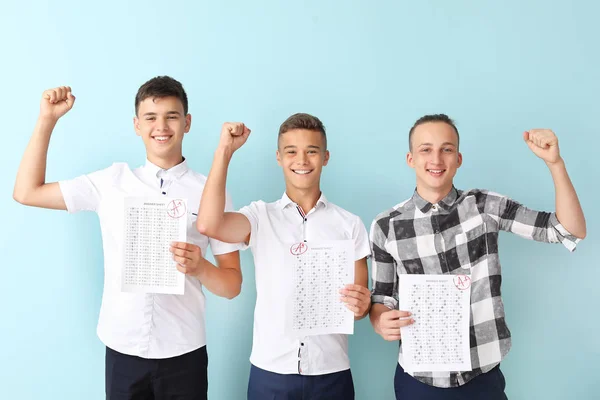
<point>488,386</point>
<point>265,385</point>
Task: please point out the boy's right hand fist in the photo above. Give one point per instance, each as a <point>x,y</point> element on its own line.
<point>56,102</point>
<point>233,135</point>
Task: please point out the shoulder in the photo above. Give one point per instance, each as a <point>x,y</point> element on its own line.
<point>197,177</point>
<point>341,212</point>
<point>481,196</point>
<point>403,208</point>
<point>258,205</point>
<point>113,172</point>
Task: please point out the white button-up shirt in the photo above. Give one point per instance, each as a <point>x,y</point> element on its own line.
<point>144,325</point>
<point>273,227</point>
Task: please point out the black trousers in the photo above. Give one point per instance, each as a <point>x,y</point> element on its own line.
<point>178,378</point>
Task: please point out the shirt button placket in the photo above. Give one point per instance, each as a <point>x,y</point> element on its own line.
<point>303,365</point>
<point>146,329</point>
<point>438,238</point>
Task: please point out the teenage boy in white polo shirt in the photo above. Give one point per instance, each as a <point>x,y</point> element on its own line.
<point>155,343</point>
<point>283,366</point>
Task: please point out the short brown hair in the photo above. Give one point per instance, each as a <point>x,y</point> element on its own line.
<point>161,86</point>
<point>303,121</point>
<point>432,118</point>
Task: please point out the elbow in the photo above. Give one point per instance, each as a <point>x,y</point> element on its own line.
<point>236,289</point>
<point>580,232</point>
<point>203,227</point>
<point>234,293</point>
<point>207,227</point>
<point>584,230</point>
<point>20,197</point>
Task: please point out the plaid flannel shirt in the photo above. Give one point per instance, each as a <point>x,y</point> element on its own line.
<point>458,235</point>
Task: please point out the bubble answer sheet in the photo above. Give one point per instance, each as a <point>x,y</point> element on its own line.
<point>151,224</point>
<point>439,338</point>
<point>319,271</point>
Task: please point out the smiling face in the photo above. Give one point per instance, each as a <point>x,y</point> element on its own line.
<point>435,158</point>
<point>302,155</point>
<point>161,123</point>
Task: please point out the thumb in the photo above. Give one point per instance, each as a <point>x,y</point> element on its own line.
<point>532,146</point>
<point>70,100</point>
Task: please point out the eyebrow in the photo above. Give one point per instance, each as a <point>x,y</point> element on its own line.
<point>443,144</point>
<point>151,114</point>
<point>292,146</point>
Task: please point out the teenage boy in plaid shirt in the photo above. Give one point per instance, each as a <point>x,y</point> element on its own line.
<point>443,230</point>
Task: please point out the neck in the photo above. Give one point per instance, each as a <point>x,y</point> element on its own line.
<point>166,162</point>
<point>433,195</point>
<point>305,198</point>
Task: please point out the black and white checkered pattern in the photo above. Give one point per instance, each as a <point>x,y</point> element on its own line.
<point>458,235</point>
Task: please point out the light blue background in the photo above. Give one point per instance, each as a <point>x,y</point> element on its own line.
<point>368,70</point>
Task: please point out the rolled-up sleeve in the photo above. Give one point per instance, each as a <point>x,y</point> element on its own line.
<point>383,266</point>
<point>540,226</point>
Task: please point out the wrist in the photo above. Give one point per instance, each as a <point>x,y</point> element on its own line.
<point>376,322</point>
<point>368,310</point>
<point>223,153</point>
<point>558,164</point>
<point>47,119</point>
<point>202,270</point>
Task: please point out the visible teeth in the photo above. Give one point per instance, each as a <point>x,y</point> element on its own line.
<point>301,172</point>
<point>436,171</point>
<point>161,138</point>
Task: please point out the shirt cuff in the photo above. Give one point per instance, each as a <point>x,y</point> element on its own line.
<point>387,301</point>
<point>564,236</point>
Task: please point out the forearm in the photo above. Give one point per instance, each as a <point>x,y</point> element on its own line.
<point>224,282</point>
<point>375,314</point>
<point>568,209</point>
<point>32,170</point>
<point>212,205</point>
<point>361,277</point>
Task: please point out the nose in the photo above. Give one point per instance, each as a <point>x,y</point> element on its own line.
<point>161,125</point>
<point>302,158</point>
<point>436,158</point>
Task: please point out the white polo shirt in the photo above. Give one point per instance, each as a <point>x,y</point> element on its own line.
<point>274,226</point>
<point>144,325</point>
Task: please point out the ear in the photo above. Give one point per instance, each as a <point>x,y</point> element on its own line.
<point>188,123</point>
<point>136,126</point>
<point>410,160</point>
<point>278,158</point>
<point>326,160</point>
<point>459,159</point>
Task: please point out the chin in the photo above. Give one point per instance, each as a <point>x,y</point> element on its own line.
<point>303,186</point>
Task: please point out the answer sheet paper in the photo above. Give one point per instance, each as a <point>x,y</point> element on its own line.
<point>439,338</point>
<point>151,224</point>
<point>320,270</point>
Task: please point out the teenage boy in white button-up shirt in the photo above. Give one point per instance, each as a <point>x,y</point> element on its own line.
<point>156,344</point>
<point>284,366</point>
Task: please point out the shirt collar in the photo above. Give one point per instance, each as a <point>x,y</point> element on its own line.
<point>446,203</point>
<point>286,201</point>
<point>172,173</point>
